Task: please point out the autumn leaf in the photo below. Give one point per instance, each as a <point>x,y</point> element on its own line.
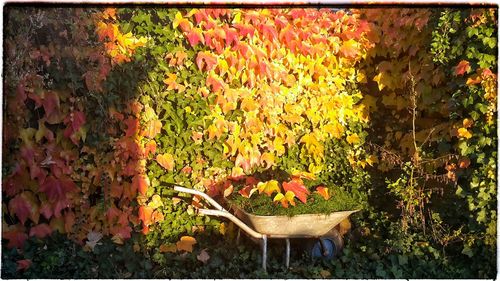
<point>179,20</point>
<point>206,61</point>
<point>140,183</point>
<point>462,67</point>
<point>464,133</point>
<point>132,126</point>
<point>467,123</point>
<point>155,201</point>
<point>171,82</point>
<point>15,235</point>
<point>268,187</point>
<point>289,197</point>
<point>353,139</point>
<point>40,231</point>
<point>474,79</point>
<point>247,191</point>
<point>195,36</point>
<point>153,128</point>
<point>20,207</point>
<point>350,48</point>
<point>464,163</point>
<point>23,264</point>
<point>145,215</point>
<point>323,191</point>
<point>166,160</point>
<point>298,189</point>
<point>186,244</point>
<point>57,189</point>
<point>203,256</point>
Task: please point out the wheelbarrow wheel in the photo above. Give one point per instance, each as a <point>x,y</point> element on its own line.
<point>328,246</point>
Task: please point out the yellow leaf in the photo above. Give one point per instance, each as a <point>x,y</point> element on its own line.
<point>379,79</point>
<point>166,160</point>
<point>268,159</point>
<point>464,133</point>
<point>186,244</point>
<point>268,187</point>
<point>352,139</point>
<point>155,201</point>
<point>372,160</point>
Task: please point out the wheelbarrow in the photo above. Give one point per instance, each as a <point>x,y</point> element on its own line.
<point>317,226</point>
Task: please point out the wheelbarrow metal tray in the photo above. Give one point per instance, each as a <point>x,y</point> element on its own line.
<point>298,226</point>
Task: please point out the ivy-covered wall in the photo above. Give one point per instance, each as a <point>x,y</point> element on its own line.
<point>105,110</point>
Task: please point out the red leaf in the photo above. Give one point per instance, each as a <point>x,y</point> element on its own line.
<point>194,37</point>
<point>56,189</point>
<point>245,29</point>
<point>74,122</point>
<point>206,59</point>
<point>462,67</point>
<point>214,82</point>
<point>145,215</point>
<point>132,126</point>
<point>231,35</point>
<point>140,183</point>
<point>23,264</point>
<point>15,235</point>
<point>116,190</point>
<point>297,188</point>
<point>50,103</point>
<point>122,231</point>
<point>20,207</point>
<point>41,230</point>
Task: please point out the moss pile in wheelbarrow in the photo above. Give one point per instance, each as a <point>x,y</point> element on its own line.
<point>264,194</point>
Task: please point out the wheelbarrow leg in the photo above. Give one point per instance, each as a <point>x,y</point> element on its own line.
<point>238,237</point>
<point>287,257</point>
<point>264,252</point>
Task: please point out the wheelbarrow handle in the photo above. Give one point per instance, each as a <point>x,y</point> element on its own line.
<point>204,195</point>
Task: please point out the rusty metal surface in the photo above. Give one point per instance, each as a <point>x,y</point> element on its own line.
<point>308,225</point>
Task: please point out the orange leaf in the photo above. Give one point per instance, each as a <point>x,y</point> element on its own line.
<point>186,244</point>
<point>206,60</point>
<point>140,183</point>
<point>474,79</point>
<point>467,123</point>
<point>297,188</point>
<point>323,191</point>
<point>464,163</point>
<point>157,216</point>
<point>166,160</point>
<point>41,230</point>
<point>145,215</point>
<point>150,148</point>
<point>462,67</point>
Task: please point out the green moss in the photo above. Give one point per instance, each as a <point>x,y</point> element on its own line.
<point>260,204</point>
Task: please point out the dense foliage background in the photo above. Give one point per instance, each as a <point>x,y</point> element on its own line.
<point>106,109</point>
